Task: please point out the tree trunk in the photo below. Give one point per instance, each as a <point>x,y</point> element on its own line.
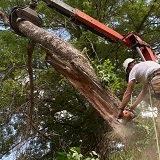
<point>78,70</point>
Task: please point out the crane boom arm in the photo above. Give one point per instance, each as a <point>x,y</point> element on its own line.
<point>84,19</point>
<point>131,40</point>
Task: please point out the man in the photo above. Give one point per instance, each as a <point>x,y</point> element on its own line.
<point>147,73</point>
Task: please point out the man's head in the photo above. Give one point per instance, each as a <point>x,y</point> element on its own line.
<point>127,64</point>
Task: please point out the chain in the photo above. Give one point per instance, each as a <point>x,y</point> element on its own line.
<point>33,4</point>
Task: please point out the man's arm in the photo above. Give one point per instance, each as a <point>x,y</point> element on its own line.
<point>127,94</point>
<point>140,97</point>
<point>126,97</point>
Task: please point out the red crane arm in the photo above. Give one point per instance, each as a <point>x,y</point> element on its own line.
<point>131,40</point>
<point>96,25</point>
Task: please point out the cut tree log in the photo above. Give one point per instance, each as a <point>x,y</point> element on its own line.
<point>77,69</point>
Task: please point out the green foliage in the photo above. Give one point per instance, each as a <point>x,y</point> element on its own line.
<point>75,154</point>
<point>106,73</point>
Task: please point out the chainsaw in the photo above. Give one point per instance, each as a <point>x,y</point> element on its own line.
<point>127,116</point>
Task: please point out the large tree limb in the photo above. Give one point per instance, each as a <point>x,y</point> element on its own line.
<point>78,70</point>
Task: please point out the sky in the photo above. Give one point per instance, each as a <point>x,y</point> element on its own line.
<point>10,157</point>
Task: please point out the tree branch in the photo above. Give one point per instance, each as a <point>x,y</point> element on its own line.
<point>30,72</point>
<point>4,18</point>
<point>145,17</point>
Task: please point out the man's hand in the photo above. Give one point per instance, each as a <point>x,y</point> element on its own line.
<point>120,114</point>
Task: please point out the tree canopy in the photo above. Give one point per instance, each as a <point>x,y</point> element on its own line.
<point>61,117</point>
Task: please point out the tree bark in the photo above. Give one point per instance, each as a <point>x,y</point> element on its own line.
<point>77,69</point>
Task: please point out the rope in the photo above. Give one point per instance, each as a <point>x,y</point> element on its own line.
<point>154,123</point>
